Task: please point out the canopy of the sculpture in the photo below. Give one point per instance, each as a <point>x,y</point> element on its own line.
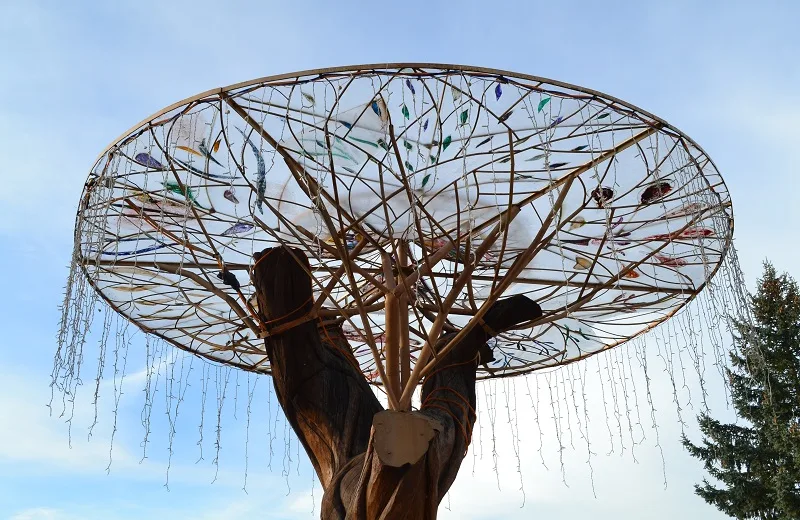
<point>416,155</point>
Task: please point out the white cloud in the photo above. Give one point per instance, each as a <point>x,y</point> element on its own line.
<point>32,436</point>
<point>40,447</point>
<point>43,513</point>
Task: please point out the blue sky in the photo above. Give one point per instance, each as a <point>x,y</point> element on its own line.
<point>75,75</point>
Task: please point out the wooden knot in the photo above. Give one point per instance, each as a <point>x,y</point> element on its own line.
<point>402,438</point>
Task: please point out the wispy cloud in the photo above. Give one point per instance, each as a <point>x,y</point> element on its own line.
<point>43,513</point>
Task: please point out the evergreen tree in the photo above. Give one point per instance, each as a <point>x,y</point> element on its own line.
<point>757,460</point>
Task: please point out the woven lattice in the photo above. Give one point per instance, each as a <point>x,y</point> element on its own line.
<point>458,185</point>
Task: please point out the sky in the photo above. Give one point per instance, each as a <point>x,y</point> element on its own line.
<point>75,75</point>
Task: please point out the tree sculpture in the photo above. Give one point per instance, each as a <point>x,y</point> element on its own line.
<point>402,229</point>
<point>757,461</point>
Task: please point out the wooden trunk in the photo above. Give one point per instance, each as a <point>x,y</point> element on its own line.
<point>373,464</point>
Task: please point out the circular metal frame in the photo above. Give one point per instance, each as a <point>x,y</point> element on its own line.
<point>543,151</point>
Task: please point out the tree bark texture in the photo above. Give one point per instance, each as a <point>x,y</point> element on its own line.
<point>331,407</point>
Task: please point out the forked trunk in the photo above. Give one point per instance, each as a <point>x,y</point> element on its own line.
<point>373,464</point>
